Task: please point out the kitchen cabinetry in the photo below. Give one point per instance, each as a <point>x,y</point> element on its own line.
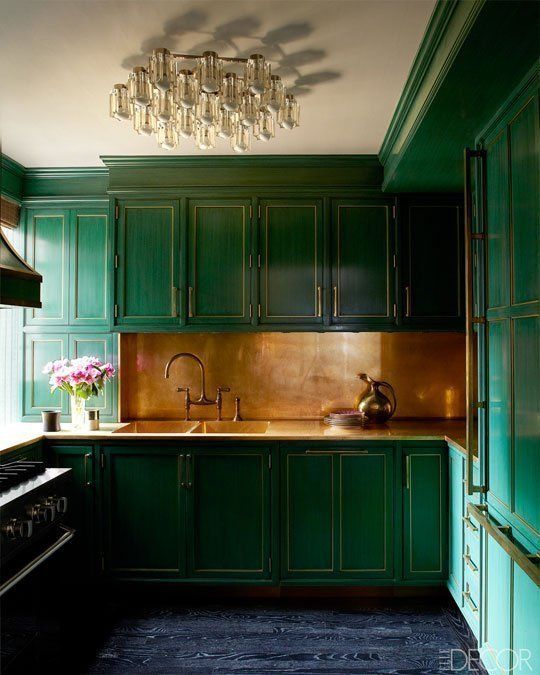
<point>424,506</point>
<point>291,271</point>
<point>83,461</point>
<point>432,291</point>
<point>219,261</point>
<point>362,235</point>
<point>147,277</point>
<point>456,504</point>
<point>349,534</point>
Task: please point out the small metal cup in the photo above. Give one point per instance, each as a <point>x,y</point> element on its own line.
<point>91,419</point>
<point>51,420</point>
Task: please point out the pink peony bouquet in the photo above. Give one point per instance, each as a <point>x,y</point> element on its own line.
<point>82,377</point>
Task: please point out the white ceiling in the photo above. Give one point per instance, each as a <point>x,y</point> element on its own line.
<point>348,60</point>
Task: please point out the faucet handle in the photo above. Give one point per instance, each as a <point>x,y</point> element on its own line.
<point>223,389</point>
<point>186,389</point>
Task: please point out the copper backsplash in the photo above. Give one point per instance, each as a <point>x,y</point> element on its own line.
<point>292,375</point>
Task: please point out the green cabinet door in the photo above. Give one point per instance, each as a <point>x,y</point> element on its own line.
<point>144,512</point>
<point>307,521</point>
<point>291,264</point>
<point>456,505</point>
<point>525,624</point>
<point>39,349</point>
<point>219,245</point>
<point>425,508</point>
<point>365,513</point>
<point>432,292</point>
<point>82,460</point>
<point>229,513</point>
<point>89,267</point>
<point>101,345</point>
<point>147,276</point>
<point>47,251</point>
<point>362,269</point>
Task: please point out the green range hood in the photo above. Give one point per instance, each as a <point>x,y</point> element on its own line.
<point>20,284</point>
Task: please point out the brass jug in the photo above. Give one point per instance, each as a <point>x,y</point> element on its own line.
<point>376,406</point>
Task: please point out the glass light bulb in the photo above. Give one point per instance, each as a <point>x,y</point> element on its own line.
<point>167,137</point>
<point>249,110</point>
<point>142,120</point>
<point>185,91</point>
<point>119,107</point>
<point>210,72</point>
<point>139,87</point>
<point>257,74</point>
<point>241,141</point>
<point>206,136</point>
<point>185,122</point>
<point>208,109</point>
<point>264,130</point>
<point>231,92</point>
<point>163,105</point>
<point>274,95</point>
<point>289,113</point>
<point>161,65</point>
<point>228,122</point>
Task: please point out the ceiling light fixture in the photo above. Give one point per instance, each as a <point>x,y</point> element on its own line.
<point>204,103</point>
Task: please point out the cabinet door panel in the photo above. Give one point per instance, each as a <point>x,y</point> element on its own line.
<point>308,508</point>
<point>525,185</point>
<point>229,514</point>
<point>496,604</point>
<point>47,250</point>
<point>219,275</point>
<point>144,520</point>
<point>291,270</point>
<point>424,528</point>
<point>361,263</point>
<point>498,215</point>
<point>100,345</point>
<point>499,418</point>
<point>432,251</point>
<point>89,267</point>
<point>148,269</point>
<point>526,626</point>
<point>39,350</point>
<point>366,514</point>
<point>455,530</point>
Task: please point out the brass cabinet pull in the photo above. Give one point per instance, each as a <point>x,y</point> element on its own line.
<point>188,471</point>
<point>87,482</point>
<point>335,301</point>
<point>468,561</point>
<point>174,301</point>
<point>181,459</point>
<point>319,301</point>
<point>190,301</point>
<point>407,301</point>
<point>470,601</point>
<point>408,472</point>
<point>469,523</point>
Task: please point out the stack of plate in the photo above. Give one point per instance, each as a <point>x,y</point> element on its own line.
<point>349,417</point>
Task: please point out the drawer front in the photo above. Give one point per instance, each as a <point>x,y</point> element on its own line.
<point>471,538</point>
<point>471,571</point>
<point>471,606</point>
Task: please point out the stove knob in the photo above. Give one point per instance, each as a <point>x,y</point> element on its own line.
<point>59,503</point>
<point>17,529</point>
<point>42,512</point>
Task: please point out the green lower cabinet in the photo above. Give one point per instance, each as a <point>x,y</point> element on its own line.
<point>425,505</point>
<point>525,624</point>
<point>229,513</point>
<point>144,512</point>
<point>337,514</point>
<point>82,515</point>
<point>456,502</point>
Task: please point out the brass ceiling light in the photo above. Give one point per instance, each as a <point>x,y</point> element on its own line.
<point>173,102</point>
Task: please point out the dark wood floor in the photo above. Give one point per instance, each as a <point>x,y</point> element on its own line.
<point>92,632</point>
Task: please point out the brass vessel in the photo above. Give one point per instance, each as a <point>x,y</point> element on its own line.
<point>373,403</point>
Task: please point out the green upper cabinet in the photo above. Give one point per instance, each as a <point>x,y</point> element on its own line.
<point>219,246</point>
<point>47,250</point>
<point>291,266</point>
<point>145,512</point>
<point>524,141</point>
<point>89,274</point>
<point>39,349</point>
<point>147,277</point>
<point>432,289</point>
<point>424,513</point>
<point>229,513</point>
<point>362,270</point>
<point>102,346</point>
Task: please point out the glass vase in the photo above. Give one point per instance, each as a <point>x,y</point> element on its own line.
<point>77,412</point>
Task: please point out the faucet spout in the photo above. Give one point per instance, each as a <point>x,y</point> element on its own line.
<point>188,355</point>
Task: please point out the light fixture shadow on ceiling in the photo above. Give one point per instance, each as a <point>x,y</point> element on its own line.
<point>228,39</point>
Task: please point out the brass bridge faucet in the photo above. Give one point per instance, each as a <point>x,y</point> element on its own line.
<point>203,399</point>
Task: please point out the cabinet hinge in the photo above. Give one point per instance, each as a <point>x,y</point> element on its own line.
<point>269,461</point>
<point>479,404</point>
<point>116,212</point>
<point>102,460</point>
<point>478,235</point>
<point>394,261</point>
<point>250,211</point>
<point>270,565</point>
<point>116,261</point>
<point>259,310</point>
<point>259,211</point>
<point>478,319</point>
<point>250,310</point>
<point>116,311</point>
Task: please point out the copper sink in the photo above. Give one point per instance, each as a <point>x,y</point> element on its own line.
<point>157,427</point>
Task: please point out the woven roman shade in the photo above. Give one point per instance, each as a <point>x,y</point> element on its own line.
<point>9,213</point>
